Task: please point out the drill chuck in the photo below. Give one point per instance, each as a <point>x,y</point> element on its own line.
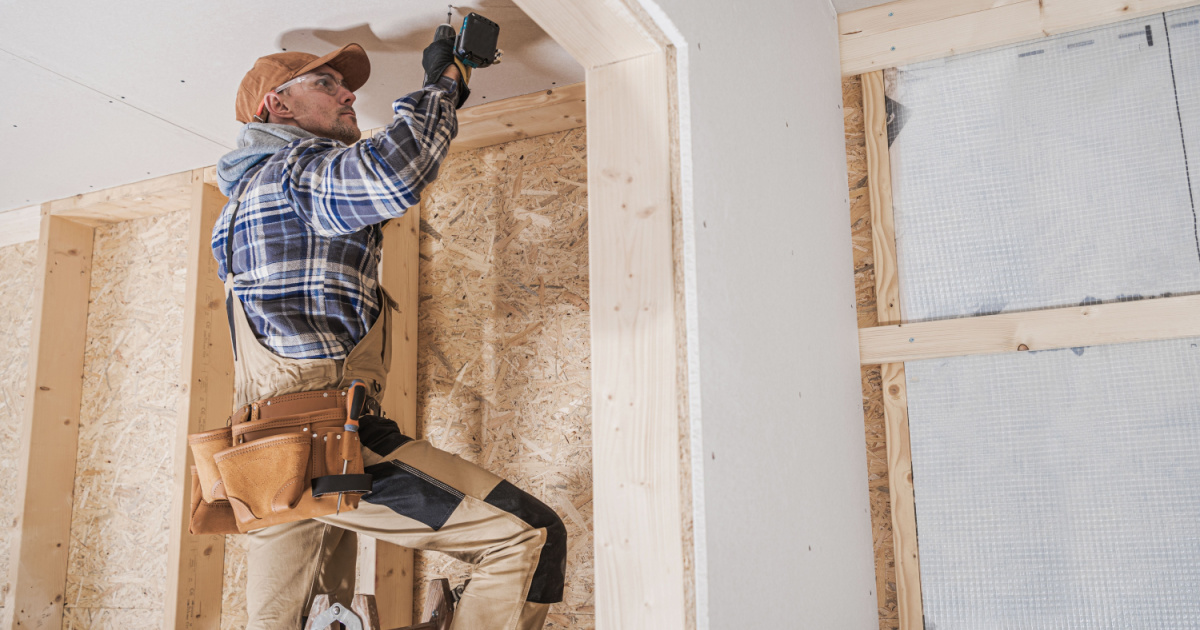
<point>444,31</point>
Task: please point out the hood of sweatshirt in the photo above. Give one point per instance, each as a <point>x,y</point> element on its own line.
<point>256,142</point>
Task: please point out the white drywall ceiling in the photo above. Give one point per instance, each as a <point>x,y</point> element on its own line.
<point>109,93</point>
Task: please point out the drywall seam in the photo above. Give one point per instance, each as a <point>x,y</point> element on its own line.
<point>691,316</point>
<point>116,99</point>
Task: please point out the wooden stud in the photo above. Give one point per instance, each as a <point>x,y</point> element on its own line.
<point>910,610</point>
<point>1070,327</point>
<point>907,31</point>
<point>196,563</point>
<point>50,427</point>
<point>638,528</point>
<point>895,398</point>
<point>879,180</point>
<point>399,275</point>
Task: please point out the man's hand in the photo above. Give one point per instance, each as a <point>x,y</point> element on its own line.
<point>439,61</point>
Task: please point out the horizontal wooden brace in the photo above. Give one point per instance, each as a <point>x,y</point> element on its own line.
<point>524,116</point>
<point>907,31</point>
<point>20,226</point>
<point>520,117</point>
<point>148,198</point>
<point>1093,325</point>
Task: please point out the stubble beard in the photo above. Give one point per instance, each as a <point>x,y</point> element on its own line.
<point>344,131</point>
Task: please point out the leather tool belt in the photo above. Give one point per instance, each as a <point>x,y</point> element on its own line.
<point>278,460</point>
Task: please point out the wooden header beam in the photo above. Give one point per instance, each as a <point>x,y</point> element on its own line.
<point>1072,327</point>
<point>20,225</point>
<point>519,117</point>
<point>524,116</point>
<point>149,198</point>
<point>907,31</point>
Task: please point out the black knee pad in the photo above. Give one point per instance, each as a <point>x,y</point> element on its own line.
<point>548,578</point>
<point>380,434</point>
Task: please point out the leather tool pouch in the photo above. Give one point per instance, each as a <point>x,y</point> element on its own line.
<point>214,517</point>
<point>204,446</point>
<point>280,459</point>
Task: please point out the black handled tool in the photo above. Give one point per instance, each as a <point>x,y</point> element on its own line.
<point>356,399</point>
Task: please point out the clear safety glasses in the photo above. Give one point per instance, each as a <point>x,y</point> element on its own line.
<point>319,81</point>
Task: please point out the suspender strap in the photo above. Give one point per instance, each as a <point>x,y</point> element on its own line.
<point>229,270</point>
<point>229,235</point>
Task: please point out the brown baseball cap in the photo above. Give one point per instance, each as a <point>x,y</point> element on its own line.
<point>273,71</point>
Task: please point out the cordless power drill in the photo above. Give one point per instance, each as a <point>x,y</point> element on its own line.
<point>475,42</point>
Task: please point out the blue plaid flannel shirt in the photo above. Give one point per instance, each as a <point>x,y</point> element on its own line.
<point>308,232</point>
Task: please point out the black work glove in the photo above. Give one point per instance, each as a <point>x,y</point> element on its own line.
<point>437,57</point>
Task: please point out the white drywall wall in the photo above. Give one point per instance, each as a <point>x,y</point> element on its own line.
<point>783,525</point>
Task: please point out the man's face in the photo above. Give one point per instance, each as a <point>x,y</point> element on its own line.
<point>322,105</point>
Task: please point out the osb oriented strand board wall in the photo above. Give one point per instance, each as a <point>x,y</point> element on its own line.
<point>504,336</point>
<point>18,280</point>
<point>864,285</point>
<point>131,394</point>
<point>233,586</point>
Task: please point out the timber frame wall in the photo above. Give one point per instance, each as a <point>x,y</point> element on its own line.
<point>638,532</point>
<point>909,31</point>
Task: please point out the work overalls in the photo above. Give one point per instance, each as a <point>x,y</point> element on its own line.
<point>421,497</point>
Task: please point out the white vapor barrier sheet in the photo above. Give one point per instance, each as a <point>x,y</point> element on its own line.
<point>1049,173</point>
<point>1059,489</point>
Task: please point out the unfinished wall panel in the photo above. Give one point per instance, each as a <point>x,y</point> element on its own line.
<point>233,590</point>
<point>504,340</point>
<point>1058,489</point>
<point>1053,488</point>
<point>1049,173</point>
<point>864,287</point>
<point>131,393</point>
<point>18,279</point>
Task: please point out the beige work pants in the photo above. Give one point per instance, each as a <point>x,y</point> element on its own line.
<point>480,519</point>
<point>421,498</point>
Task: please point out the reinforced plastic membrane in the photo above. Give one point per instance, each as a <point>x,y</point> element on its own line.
<point>1049,173</point>
<point>1057,489</point>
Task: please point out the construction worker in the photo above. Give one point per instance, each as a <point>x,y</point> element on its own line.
<point>306,309</point>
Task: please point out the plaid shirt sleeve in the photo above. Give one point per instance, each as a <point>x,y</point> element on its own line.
<point>339,190</point>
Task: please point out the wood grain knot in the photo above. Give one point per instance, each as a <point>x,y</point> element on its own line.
<point>1022,347</point>
<point>894,390</point>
